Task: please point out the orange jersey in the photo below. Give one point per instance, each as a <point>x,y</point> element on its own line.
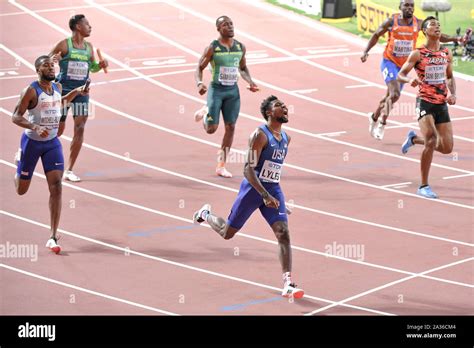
<point>401,41</point>
<point>431,70</point>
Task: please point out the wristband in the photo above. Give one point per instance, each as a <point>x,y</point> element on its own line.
<point>94,67</point>
<point>199,83</point>
<point>264,194</point>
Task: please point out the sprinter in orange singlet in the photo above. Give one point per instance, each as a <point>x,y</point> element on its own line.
<point>403,29</point>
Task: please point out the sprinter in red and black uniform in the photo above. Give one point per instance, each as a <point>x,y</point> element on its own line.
<point>433,65</point>
<point>403,29</point>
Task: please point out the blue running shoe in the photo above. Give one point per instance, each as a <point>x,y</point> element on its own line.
<point>426,192</point>
<point>408,142</point>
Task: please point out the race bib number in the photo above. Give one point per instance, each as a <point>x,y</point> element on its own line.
<point>435,74</point>
<point>50,113</point>
<point>228,76</point>
<point>270,172</point>
<point>77,70</point>
<point>402,48</point>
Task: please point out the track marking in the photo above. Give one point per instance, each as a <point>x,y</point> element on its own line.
<point>457,176</point>
<point>358,86</point>
<point>246,116</point>
<point>389,285</point>
<point>178,264</point>
<point>78,288</point>
<point>400,184</point>
<point>286,52</point>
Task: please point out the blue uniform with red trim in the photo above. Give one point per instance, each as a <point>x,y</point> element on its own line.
<point>46,113</point>
<point>268,170</point>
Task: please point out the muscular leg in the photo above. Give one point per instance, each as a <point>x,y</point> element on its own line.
<point>429,132</point>
<point>77,140</point>
<point>444,142</point>
<point>282,233</point>
<point>227,141</point>
<point>55,198</point>
<point>219,225</point>
<point>380,106</point>
<point>390,99</point>
<point>21,185</point>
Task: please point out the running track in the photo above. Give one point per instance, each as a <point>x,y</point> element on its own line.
<point>129,243</point>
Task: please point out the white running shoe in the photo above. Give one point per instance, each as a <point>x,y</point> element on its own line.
<point>17,157</point>
<point>70,176</point>
<point>199,115</point>
<point>372,124</point>
<point>221,171</point>
<point>53,246</point>
<point>291,291</point>
<point>380,131</point>
<point>197,217</point>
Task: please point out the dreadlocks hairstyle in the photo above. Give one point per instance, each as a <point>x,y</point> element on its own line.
<point>75,20</point>
<point>266,104</point>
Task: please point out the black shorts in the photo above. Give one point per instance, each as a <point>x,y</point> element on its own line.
<point>439,111</point>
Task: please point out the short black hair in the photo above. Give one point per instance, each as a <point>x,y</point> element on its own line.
<point>266,104</point>
<point>424,24</point>
<point>39,60</point>
<point>74,20</point>
<point>218,18</point>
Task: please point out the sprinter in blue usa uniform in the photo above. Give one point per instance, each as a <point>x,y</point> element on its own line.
<point>261,189</point>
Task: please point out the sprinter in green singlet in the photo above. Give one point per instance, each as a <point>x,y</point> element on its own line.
<point>76,59</point>
<point>227,58</point>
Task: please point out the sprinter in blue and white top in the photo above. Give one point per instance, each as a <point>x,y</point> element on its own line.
<point>261,189</point>
<point>42,99</point>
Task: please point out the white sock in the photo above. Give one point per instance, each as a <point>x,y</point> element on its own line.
<point>287,277</point>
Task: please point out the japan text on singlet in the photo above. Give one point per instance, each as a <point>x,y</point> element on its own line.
<point>431,70</point>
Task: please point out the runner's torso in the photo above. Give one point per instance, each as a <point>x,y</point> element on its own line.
<point>225,63</point>
<point>431,70</point>
<point>74,66</point>
<point>401,40</point>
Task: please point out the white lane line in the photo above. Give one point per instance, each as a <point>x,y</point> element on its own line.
<point>371,291</point>
<point>154,58</point>
<point>78,288</point>
<point>402,183</point>
<point>457,176</point>
<point>10,97</point>
<point>197,55</point>
<point>319,47</point>
<point>305,91</point>
<point>177,264</point>
<point>327,30</point>
<point>173,90</point>
<point>358,86</point>
<point>286,52</point>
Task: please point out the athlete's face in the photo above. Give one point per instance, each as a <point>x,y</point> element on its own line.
<point>279,111</point>
<point>46,70</point>
<point>433,29</point>
<point>407,7</point>
<point>225,27</point>
<point>84,28</point>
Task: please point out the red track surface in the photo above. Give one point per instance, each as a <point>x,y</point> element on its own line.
<point>132,197</point>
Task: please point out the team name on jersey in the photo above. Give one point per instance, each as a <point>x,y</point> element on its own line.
<point>438,60</point>
<point>279,154</point>
<point>79,56</point>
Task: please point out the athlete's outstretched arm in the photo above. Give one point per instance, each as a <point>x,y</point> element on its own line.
<point>245,73</point>
<point>450,81</point>
<point>258,141</point>
<point>381,30</point>
<point>59,51</point>
<point>203,62</point>
<point>407,67</point>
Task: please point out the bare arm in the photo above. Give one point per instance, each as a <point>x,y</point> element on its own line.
<point>257,143</point>
<point>447,38</point>
<point>450,81</point>
<point>245,73</point>
<point>407,67</point>
<point>59,51</point>
<point>28,100</point>
<point>381,30</point>
<point>66,99</point>
<point>203,62</point>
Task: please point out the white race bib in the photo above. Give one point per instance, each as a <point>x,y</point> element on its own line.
<point>271,172</point>
<point>228,76</point>
<point>435,74</point>
<point>77,70</point>
<point>402,48</point>
<point>50,112</point>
